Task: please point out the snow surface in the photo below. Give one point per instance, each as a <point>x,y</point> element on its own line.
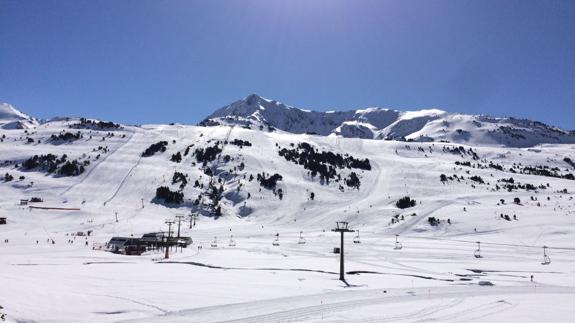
<point>434,277</point>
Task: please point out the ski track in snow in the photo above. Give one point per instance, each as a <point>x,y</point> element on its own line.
<point>123,181</point>
<point>98,172</point>
<point>298,308</point>
<point>93,168</point>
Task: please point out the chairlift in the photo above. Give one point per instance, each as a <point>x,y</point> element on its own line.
<point>301,238</point>
<point>277,240</point>
<point>356,238</point>
<point>214,243</point>
<point>232,241</point>
<point>398,245</point>
<point>546,259</point>
<point>477,252</point>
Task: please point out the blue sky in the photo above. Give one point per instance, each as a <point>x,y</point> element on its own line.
<point>177,61</point>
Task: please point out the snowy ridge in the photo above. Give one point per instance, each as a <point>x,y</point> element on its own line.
<point>377,123</point>
<point>12,118</point>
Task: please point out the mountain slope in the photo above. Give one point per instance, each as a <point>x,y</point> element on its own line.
<point>377,123</point>
<point>12,118</point>
<point>513,200</point>
<point>117,177</point>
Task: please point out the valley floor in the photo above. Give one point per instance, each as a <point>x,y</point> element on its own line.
<point>254,281</point>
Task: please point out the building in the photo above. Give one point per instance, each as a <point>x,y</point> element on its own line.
<point>127,246</point>
<point>160,239</point>
<point>117,244</point>
<point>153,239</point>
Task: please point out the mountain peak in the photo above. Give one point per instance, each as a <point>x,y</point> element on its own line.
<point>254,99</point>
<point>12,118</point>
<point>8,111</point>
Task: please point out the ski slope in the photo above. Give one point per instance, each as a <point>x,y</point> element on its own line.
<point>435,276</point>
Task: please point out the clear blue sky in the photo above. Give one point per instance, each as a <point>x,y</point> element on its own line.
<point>138,61</point>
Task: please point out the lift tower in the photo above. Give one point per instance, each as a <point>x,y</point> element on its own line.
<point>342,228</point>
<point>167,246</point>
<point>179,217</point>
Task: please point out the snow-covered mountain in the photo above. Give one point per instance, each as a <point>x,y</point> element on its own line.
<point>377,123</point>
<point>12,118</point>
<point>251,190</point>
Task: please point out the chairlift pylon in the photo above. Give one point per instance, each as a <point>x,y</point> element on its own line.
<point>232,241</point>
<point>546,259</point>
<point>214,243</point>
<point>398,245</point>
<point>477,252</point>
<point>301,238</point>
<point>356,238</point>
<point>277,240</point>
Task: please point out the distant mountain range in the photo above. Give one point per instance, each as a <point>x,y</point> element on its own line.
<point>257,112</point>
